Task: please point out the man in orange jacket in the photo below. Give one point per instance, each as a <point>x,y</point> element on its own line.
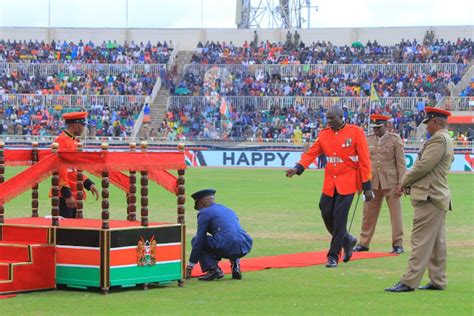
<point>68,141</point>
<point>347,171</point>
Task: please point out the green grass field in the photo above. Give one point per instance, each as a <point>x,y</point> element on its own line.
<point>282,216</point>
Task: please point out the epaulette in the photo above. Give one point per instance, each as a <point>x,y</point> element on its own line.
<point>394,134</point>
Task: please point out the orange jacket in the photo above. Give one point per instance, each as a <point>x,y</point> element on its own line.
<point>348,167</point>
<point>68,176</point>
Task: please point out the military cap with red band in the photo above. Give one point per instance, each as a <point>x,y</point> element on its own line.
<point>435,112</point>
<point>377,120</point>
<point>75,117</point>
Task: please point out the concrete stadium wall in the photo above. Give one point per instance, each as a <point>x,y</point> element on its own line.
<point>188,38</point>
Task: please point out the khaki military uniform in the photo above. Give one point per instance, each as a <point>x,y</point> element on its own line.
<point>388,168</point>
<point>431,198</point>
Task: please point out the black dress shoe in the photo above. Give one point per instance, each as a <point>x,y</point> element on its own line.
<point>348,250</point>
<point>397,249</point>
<point>360,248</point>
<point>236,273</point>
<point>430,287</point>
<point>332,263</point>
<point>399,287</point>
<point>212,274</point>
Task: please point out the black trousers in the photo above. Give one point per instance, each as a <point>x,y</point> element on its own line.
<point>335,211</point>
<point>65,211</point>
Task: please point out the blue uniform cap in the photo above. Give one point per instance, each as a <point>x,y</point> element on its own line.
<point>203,193</point>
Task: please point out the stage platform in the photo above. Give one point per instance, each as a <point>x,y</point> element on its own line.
<point>85,255</point>
<point>77,223</point>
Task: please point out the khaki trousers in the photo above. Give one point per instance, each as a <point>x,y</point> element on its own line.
<point>371,215</point>
<point>428,242</point>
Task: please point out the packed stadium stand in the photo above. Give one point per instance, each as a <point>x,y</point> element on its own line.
<point>109,52</point>
<point>40,81</point>
<point>271,90</point>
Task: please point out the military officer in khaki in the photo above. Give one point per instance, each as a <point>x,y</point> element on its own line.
<point>427,184</point>
<point>388,168</point>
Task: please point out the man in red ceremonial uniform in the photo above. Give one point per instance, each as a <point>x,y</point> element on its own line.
<point>347,170</point>
<point>67,140</point>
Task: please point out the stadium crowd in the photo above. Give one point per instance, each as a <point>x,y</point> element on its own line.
<point>432,85</point>
<point>126,83</point>
<point>40,120</point>
<point>298,122</point>
<point>205,120</point>
<point>431,51</point>
<point>320,83</point>
<point>86,53</point>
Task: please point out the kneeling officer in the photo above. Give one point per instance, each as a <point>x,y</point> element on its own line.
<point>227,239</point>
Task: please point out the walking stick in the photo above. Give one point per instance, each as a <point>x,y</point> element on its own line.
<point>353,212</point>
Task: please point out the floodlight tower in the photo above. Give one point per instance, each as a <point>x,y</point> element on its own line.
<point>285,14</point>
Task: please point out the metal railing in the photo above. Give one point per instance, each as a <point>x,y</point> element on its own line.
<point>266,103</point>
<point>458,104</point>
<point>70,101</point>
<point>149,100</point>
<point>295,70</point>
<point>159,143</point>
<point>173,55</point>
<point>465,81</point>
<point>81,69</point>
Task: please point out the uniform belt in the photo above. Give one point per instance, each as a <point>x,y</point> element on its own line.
<point>336,159</point>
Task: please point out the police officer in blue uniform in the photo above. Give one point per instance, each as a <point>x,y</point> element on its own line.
<point>227,239</point>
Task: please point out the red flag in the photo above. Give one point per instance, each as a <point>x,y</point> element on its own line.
<point>224,109</point>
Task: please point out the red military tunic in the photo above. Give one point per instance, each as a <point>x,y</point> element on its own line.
<point>348,143</point>
<point>68,176</point>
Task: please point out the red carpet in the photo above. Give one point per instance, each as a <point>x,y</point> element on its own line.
<point>302,259</point>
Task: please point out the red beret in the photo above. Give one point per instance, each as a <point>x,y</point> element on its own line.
<point>75,117</point>
<point>378,120</point>
<point>435,112</point>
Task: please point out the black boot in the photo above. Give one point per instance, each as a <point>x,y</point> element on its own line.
<point>235,265</point>
<point>332,263</point>
<point>399,288</point>
<point>348,248</point>
<point>212,274</point>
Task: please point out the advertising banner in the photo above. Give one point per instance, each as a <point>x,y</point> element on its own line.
<point>285,159</point>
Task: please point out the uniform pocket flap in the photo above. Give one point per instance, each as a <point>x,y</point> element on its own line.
<point>422,183</point>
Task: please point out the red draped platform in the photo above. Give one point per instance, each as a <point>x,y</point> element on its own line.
<point>76,223</point>
<point>40,253</point>
<point>79,253</point>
